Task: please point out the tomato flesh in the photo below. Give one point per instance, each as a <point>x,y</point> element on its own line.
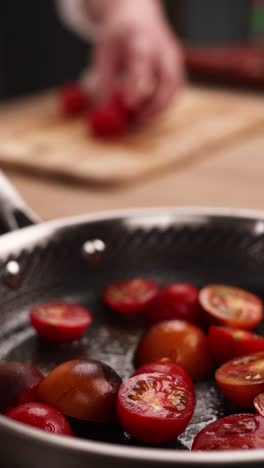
<point>242,379</point>
<point>239,431</point>
<point>176,301</point>
<point>73,99</point>
<point>181,342</point>
<point>60,322</point>
<point>130,296</point>
<point>42,417</point>
<point>167,367</point>
<point>153,408</point>
<point>259,404</point>
<point>228,343</point>
<point>233,307</point>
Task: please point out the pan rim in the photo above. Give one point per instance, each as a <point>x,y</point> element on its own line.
<point>103,449</point>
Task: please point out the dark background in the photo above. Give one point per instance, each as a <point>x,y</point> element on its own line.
<point>37,51</point>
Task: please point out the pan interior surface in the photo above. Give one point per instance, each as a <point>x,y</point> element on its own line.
<point>168,247</point>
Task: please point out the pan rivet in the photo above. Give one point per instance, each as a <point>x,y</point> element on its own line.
<point>93,250</point>
<point>12,277</point>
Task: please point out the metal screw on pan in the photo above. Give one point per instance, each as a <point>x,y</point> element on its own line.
<point>12,277</point>
<point>93,251</point>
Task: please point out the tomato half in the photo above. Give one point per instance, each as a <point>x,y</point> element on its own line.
<point>167,367</point>
<point>181,342</point>
<point>130,296</point>
<point>60,322</point>
<point>73,100</point>
<point>228,343</point>
<point>153,408</point>
<point>259,404</point>
<point>176,301</point>
<point>242,379</point>
<point>233,307</point>
<point>239,431</point>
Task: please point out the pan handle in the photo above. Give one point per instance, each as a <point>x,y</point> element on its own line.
<point>14,213</point>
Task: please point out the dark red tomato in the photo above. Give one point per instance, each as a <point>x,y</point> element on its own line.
<point>42,417</point>
<point>176,301</point>
<point>259,404</point>
<point>73,100</point>
<point>239,431</point>
<point>233,307</point>
<point>167,367</point>
<point>108,120</point>
<point>82,389</point>
<point>130,296</point>
<point>60,322</point>
<point>18,384</point>
<point>242,379</point>
<point>153,408</point>
<point>228,343</point>
<point>181,342</point>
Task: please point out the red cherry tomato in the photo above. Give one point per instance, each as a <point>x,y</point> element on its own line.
<point>239,431</point>
<point>42,417</point>
<point>259,404</point>
<point>153,408</point>
<point>228,343</point>
<point>73,99</point>
<point>242,379</point>
<point>181,342</point>
<point>108,120</point>
<point>60,322</point>
<point>18,384</point>
<point>176,301</point>
<point>233,307</point>
<point>167,367</point>
<point>130,296</point>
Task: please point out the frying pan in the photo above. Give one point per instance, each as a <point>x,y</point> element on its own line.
<point>73,259</point>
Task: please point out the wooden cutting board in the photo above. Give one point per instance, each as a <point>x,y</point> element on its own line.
<point>35,137</point>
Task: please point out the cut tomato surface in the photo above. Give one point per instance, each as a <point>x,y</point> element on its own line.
<point>239,431</point>
<point>130,296</point>
<point>153,408</point>
<point>227,343</point>
<point>259,404</point>
<point>242,379</point>
<point>233,307</point>
<point>60,322</point>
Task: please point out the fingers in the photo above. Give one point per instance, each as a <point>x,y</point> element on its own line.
<point>107,58</point>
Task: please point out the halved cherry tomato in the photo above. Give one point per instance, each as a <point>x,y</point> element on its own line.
<point>153,408</point>
<point>181,342</point>
<point>42,417</point>
<point>60,322</point>
<point>242,379</point>
<point>107,120</point>
<point>130,296</point>
<point>233,307</point>
<point>259,404</point>
<point>176,301</point>
<point>167,367</point>
<point>228,343</point>
<point>73,99</point>
<point>239,431</point>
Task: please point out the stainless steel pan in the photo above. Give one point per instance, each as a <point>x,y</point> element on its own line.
<point>73,259</point>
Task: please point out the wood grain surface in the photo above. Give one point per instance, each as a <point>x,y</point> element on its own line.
<point>35,138</point>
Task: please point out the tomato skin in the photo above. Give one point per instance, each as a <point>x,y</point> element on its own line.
<point>242,379</point>
<point>130,296</point>
<point>60,322</point>
<point>18,384</point>
<point>176,301</point>
<point>150,418</point>
<point>181,342</point>
<point>82,389</point>
<point>73,100</point>
<point>228,343</point>
<point>259,404</point>
<point>167,367</point>
<point>42,417</point>
<point>239,431</point>
<point>107,120</point>
<point>231,307</point>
